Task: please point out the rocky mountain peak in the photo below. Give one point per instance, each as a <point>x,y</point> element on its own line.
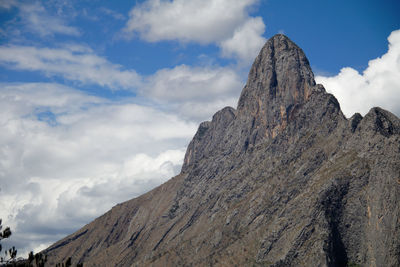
<point>281,74</point>
<point>279,81</point>
<point>280,77</point>
<point>284,180</point>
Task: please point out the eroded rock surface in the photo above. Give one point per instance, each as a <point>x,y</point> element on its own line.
<point>283,180</point>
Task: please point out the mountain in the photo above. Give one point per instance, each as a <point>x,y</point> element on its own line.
<point>283,180</point>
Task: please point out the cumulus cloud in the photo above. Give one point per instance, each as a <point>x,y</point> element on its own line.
<point>35,19</point>
<point>72,62</point>
<point>94,153</point>
<point>377,85</point>
<point>222,22</point>
<point>246,41</point>
<point>198,20</point>
<point>195,93</point>
<point>74,155</point>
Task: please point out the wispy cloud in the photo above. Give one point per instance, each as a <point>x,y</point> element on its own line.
<point>112,13</point>
<point>34,18</point>
<point>38,20</point>
<point>7,4</point>
<point>72,62</point>
<point>192,92</point>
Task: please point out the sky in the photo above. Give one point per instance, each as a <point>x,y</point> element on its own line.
<point>99,99</point>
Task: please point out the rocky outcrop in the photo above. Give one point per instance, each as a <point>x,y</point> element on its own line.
<point>209,137</point>
<point>283,180</point>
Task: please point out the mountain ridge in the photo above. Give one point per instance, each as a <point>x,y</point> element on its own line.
<point>283,180</point>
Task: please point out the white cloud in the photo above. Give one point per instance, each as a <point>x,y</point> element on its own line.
<point>36,19</point>
<point>203,21</point>
<point>222,22</point>
<point>184,83</point>
<point>74,155</point>
<point>194,93</point>
<point>191,92</point>
<point>378,85</point>
<point>95,154</point>
<point>246,41</point>
<point>72,62</point>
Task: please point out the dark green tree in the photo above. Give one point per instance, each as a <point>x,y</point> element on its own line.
<point>12,252</point>
<point>31,258</point>
<point>68,263</point>
<point>37,260</point>
<point>40,259</point>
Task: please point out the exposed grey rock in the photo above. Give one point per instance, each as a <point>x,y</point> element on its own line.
<point>284,180</point>
<point>209,136</point>
<point>354,121</point>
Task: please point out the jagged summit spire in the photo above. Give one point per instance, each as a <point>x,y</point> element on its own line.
<point>279,82</point>
<point>280,79</point>
<point>281,72</point>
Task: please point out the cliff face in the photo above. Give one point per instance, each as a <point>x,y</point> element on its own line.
<point>283,180</point>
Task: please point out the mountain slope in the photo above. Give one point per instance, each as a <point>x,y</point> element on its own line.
<point>283,180</point>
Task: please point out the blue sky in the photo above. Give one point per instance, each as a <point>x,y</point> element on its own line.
<point>101,98</point>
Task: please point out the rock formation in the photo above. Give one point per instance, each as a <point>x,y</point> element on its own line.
<point>283,180</point>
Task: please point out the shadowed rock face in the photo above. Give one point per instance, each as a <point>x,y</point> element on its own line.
<point>284,180</point>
